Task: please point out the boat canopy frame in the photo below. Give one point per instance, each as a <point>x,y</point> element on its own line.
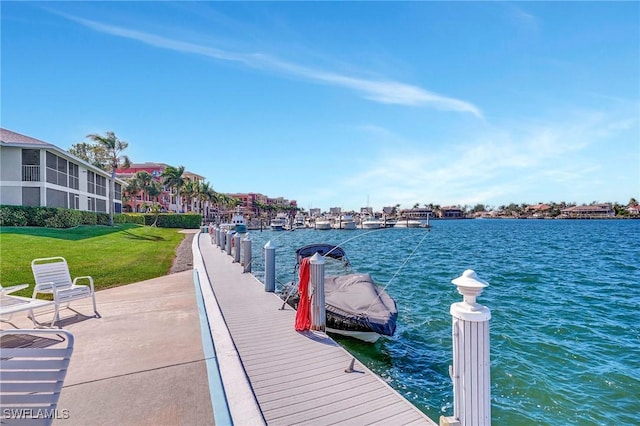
<point>324,250</point>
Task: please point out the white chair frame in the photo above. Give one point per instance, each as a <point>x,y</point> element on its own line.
<point>52,276</point>
<point>31,378</point>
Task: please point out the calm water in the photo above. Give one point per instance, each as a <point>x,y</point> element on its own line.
<point>565,303</point>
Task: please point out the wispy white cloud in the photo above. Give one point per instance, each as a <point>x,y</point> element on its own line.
<point>523,19</point>
<point>521,164</point>
<point>382,90</point>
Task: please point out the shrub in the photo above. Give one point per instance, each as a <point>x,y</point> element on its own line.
<point>137,218</point>
<point>173,220</point>
<point>12,217</point>
<point>88,218</point>
<point>102,218</point>
<point>67,218</point>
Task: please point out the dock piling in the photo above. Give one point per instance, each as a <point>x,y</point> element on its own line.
<point>235,245</point>
<point>470,372</point>
<point>269,267</point>
<point>227,240</point>
<point>318,310</point>
<point>246,254</point>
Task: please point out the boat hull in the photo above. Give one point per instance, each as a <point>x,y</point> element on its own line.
<point>365,336</point>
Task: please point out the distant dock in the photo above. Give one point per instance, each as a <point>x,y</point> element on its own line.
<point>274,375</point>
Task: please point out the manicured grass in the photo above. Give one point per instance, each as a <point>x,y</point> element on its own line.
<point>113,256</point>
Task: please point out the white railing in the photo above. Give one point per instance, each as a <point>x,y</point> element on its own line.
<point>31,173</point>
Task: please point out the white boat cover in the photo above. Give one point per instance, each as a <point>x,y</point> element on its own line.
<point>356,298</point>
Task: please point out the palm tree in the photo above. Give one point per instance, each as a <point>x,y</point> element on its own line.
<point>145,180</point>
<point>206,194</point>
<point>113,148</point>
<point>173,179</point>
<point>153,190</point>
<point>131,191</point>
<point>190,189</point>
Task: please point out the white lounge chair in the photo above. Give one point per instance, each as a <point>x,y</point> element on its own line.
<point>10,304</point>
<point>52,277</point>
<point>31,378</point>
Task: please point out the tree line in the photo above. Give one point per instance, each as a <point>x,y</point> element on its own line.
<point>107,153</point>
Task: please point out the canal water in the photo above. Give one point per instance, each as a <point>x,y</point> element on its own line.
<point>564,297</point>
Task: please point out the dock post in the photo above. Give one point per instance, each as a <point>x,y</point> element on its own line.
<point>246,252</point>
<point>221,236</point>
<point>227,241</point>
<point>470,372</point>
<point>318,310</point>
<point>270,267</point>
<point>235,245</point>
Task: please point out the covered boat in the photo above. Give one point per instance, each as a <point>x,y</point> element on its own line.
<point>355,305</point>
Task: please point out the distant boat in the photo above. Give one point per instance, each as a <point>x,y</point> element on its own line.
<point>408,223</point>
<point>298,221</point>
<point>239,223</point>
<point>323,224</point>
<point>388,223</point>
<point>277,224</point>
<point>344,222</point>
<point>370,222</point>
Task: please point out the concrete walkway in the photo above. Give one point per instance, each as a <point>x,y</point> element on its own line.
<point>142,362</point>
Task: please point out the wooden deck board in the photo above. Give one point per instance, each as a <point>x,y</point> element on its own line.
<point>297,378</point>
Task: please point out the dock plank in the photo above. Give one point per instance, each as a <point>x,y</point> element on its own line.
<point>297,378</point>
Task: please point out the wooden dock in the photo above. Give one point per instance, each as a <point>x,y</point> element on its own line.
<point>295,378</point>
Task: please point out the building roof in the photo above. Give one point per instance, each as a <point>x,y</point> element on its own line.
<point>592,208</point>
<point>539,207</point>
<point>10,137</point>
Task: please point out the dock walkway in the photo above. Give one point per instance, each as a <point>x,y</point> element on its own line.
<point>296,378</point>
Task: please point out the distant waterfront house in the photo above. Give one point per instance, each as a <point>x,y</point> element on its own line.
<point>168,198</point>
<point>634,210</point>
<point>538,211</point>
<point>249,201</point>
<point>38,173</point>
<point>138,203</point>
<point>592,211</point>
<point>451,213</point>
<point>417,213</point>
<point>366,210</point>
<point>315,212</point>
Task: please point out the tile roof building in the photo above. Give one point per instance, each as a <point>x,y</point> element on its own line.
<point>37,173</point>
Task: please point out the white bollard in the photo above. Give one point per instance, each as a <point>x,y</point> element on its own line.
<point>269,267</point>
<point>235,245</point>
<point>470,372</point>
<point>246,254</point>
<point>318,309</point>
<point>221,239</point>
<point>227,240</point>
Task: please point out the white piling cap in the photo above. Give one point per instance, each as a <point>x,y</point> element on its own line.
<point>316,259</point>
<point>270,245</point>
<point>469,285</point>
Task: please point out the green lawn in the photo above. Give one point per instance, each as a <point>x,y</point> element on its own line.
<point>113,256</point>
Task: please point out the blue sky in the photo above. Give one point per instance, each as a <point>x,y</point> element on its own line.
<point>340,104</point>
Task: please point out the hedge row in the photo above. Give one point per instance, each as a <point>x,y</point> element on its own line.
<point>164,220</point>
<point>51,217</point>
